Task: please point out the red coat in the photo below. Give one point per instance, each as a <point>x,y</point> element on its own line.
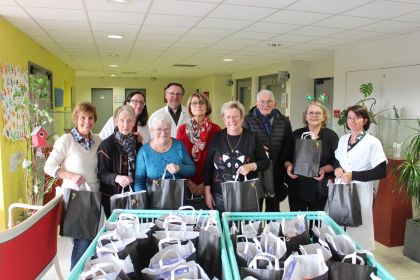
<point>199,165</point>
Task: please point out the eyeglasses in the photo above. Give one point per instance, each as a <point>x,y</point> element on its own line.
<point>174,94</point>
<point>160,130</point>
<point>137,102</point>
<point>264,102</point>
<point>311,113</point>
<point>195,103</point>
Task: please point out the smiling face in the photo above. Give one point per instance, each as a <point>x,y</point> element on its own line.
<point>161,133</point>
<point>265,103</point>
<point>314,116</point>
<point>233,121</point>
<point>85,122</point>
<point>355,122</point>
<point>137,103</point>
<point>173,95</point>
<point>125,123</point>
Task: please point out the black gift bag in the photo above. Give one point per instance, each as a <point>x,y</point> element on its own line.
<point>129,200</point>
<point>307,156</point>
<point>343,204</point>
<point>166,193</point>
<point>267,182</point>
<point>353,266</point>
<point>81,214</point>
<point>240,196</point>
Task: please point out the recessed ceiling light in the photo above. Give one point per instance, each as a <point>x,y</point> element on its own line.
<point>115,36</point>
<point>227,59</point>
<point>119,1</point>
<point>112,75</point>
<point>113,65</point>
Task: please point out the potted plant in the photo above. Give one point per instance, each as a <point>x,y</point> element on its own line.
<point>29,101</point>
<point>366,90</point>
<point>408,179</point>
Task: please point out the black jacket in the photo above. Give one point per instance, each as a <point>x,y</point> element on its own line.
<point>279,143</point>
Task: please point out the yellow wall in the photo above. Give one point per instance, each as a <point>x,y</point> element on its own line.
<point>17,48</point>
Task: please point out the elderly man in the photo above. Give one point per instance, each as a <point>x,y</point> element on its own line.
<point>179,114</point>
<point>275,133</point>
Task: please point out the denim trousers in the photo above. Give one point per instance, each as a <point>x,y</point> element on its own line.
<point>79,248</point>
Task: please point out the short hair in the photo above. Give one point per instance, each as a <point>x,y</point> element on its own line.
<point>125,109</point>
<point>201,97</point>
<point>175,84</point>
<point>144,115</point>
<point>265,91</point>
<point>233,104</point>
<point>360,111</point>
<point>85,107</point>
<point>160,117</point>
<point>324,112</point>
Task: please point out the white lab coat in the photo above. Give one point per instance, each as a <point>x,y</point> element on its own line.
<point>183,118</point>
<point>366,155</point>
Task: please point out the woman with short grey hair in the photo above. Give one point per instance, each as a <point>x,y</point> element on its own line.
<point>162,153</point>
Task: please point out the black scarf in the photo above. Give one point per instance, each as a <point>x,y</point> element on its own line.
<point>266,120</point>
<point>128,143</point>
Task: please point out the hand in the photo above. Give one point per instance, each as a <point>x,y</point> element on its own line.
<point>346,177</point>
<point>172,168</point>
<point>246,168</point>
<point>338,172</point>
<point>123,181</point>
<point>139,137</point>
<point>192,186</point>
<point>289,171</point>
<point>208,198</point>
<point>76,179</point>
<point>321,174</point>
<point>200,189</point>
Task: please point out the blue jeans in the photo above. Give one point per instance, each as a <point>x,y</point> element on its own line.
<point>79,248</point>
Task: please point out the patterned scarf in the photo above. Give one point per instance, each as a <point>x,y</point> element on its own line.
<point>266,121</point>
<point>198,136</point>
<point>84,142</point>
<point>358,138</point>
<point>128,142</point>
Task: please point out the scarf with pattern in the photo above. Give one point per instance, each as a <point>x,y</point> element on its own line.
<point>83,141</point>
<point>198,135</point>
<point>128,143</point>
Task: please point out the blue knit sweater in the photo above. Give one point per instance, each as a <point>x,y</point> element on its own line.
<point>151,164</point>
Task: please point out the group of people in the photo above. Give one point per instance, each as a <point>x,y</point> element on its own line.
<point>184,143</point>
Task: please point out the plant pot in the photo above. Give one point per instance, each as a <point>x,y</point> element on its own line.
<point>412,240</point>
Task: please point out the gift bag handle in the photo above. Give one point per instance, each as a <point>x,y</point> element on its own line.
<point>167,240</point>
<point>266,257</point>
<point>354,257</point>
<point>171,218</point>
<point>178,255</point>
<point>186,207</point>
<point>306,134</point>
<point>128,218</point>
<point>111,236</point>
<point>164,175</point>
<point>101,250</point>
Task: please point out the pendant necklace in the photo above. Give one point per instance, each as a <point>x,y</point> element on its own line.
<point>230,146</point>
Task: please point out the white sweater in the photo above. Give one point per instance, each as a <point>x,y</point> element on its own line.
<point>72,157</point>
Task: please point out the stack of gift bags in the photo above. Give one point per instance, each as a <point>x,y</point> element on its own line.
<point>172,246</point>
<point>287,249</point>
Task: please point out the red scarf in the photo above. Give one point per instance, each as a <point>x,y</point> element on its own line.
<point>198,135</point>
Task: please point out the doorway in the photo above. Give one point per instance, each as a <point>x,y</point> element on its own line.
<point>243,93</point>
<point>325,86</point>
<point>102,100</point>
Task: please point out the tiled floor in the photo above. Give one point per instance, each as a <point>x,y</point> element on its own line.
<point>392,259</point>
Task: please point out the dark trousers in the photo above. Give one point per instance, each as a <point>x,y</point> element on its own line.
<point>297,204</point>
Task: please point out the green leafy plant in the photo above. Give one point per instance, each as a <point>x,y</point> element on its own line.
<point>30,104</point>
<point>366,90</point>
<point>408,172</point>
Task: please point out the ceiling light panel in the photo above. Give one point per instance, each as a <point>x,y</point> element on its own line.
<point>270,27</point>
<point>295,17</point>
<point>227,24</point>
<point>116,17</point>
<point>171,7</point>
<point>241,12</point>
<point>171,20</point>
<point>99,5</point>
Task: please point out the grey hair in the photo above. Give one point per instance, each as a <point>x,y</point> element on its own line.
<point>233,104</point>
<point>125,109</point>
<point>265,91</point>
<point>160,117</point>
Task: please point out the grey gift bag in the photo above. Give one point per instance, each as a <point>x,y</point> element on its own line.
<point>307,156</point>
<point>129,200</point>
<point>240,196</point>
<point>343,204</point>
<point>166,193</point>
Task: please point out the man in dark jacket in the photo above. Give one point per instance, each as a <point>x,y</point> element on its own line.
<point>275,133</point>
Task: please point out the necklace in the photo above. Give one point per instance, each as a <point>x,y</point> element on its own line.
<point>230,146</point>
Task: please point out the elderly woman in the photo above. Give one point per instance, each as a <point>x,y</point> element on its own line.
<point>137,100</point>
<point>117,155</point>
<point>196,135</point>
<point>361,161</point>
<point>232,150</point>
<point>74,160</point>
<point>306,193</point>
<point>162,153</point>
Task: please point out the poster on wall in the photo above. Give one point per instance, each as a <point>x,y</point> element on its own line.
<point>13,79</point>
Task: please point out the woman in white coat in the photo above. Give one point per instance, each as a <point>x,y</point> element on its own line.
<point>362,161</point>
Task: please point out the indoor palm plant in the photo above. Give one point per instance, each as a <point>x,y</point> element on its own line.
<point>31,104</point>
<point>408,179</point>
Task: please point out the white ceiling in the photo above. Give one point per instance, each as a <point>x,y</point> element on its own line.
<point>161,33</point>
